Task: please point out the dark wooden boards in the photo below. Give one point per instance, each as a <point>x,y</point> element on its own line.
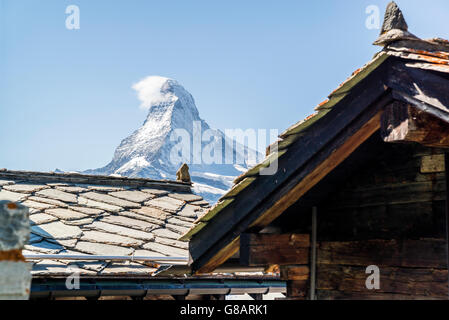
<point>407,268</point>
<point>430,253</point>
<point>268,249</point>
<point>424,89</point>
<point>407,281</point>
<point>403,123</point>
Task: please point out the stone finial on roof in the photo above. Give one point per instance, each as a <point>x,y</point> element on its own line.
<point>394,27</point>
<point>183,173</point>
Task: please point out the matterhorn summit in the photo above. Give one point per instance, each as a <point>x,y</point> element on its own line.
<point>173,133</point>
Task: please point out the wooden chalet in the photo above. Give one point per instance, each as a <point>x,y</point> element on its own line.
<point>362,182</point>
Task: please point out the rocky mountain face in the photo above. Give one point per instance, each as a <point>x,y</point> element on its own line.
<point>174,133</point>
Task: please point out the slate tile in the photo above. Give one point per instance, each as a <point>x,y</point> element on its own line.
<point>45,247</point>
<point>127,269</point>
<point>56,203</point>
<point>95,266</point>
<point>186,219</point>
<point>34,211</point>
<point>109,238</point>
<point>130,223</point>
<point>41,218</point>
<point>132,195</point>
<point>140,217</point>
<point>104,198</point>
<point>102,249</point>
<point>57,268</point>
<point>191,211</point>
<point>166,203</point>
<point>177,229</point>
<point>105,188</point>
<point>201,203</point>
<point>88,211</point>
<point>172,243</point>
<point>66,214</point>
<point>123,231</point>
<point>155,192</point>
<point>179,222</point>
<point>80,222</point>
<point>148,253</point>
<point>152,212</point>
<point>71,189</point>
<point>6,183</point>
<point>165,233</point>
<point>166,250</point>
<point>98,205</point>
<point>37,205</point>
<point>57,230</point>
<point>187,197</point>
<point>70,243</point>
<point>12,196</point>
<point>58,195</point>
<point>25,188</point>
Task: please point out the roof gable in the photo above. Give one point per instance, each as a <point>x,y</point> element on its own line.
<point>413,71</point>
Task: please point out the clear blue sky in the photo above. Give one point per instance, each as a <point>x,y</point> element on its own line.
<point>65,95</point>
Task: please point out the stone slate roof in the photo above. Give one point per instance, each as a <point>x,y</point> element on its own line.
<point>114,216</point>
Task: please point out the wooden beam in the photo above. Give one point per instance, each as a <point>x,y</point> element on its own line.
<point>394,253</point>
<point>446,163</point>
<point>297,289</point>
<point>227,252</point>
<point>339,295</point>
<point>403,123</point>
<point>295,273</point>
<point>424,89</point>
<point>322,170</point>
<point>409,281</point>
<point>268,249</point>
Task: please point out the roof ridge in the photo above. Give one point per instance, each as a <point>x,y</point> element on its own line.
<point>79,178</point>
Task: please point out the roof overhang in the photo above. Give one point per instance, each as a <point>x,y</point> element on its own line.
<point>310,150</point>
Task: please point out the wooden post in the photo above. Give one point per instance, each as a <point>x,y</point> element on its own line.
<point>15,276</point>
<point>313,255</point>
<point>403,123</point>
<point>446,162</point>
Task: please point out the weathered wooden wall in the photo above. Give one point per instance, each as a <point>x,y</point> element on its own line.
<point>384,206</point>
<point>392,215</point>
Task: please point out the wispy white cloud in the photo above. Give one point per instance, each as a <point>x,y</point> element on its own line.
<point>152,90</point>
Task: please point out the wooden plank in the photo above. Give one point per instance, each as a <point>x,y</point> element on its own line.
<point>402,123</point>
<point>268,249</point>
<point>297,288</point>
<point>423,86</point>
<point>390,253</point>
<point>409,281</point>
<point>295,273</point>
<point>404,221</point>
<point>230,223</point>
<point>433,164</point>
<point>338,295</point>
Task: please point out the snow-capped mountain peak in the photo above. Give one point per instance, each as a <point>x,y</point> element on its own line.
<point>148,152</point>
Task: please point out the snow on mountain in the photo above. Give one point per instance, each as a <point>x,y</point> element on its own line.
<point>157,149</point>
